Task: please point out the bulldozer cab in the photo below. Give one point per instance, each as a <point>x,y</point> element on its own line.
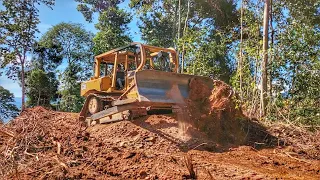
<point>114,70</point>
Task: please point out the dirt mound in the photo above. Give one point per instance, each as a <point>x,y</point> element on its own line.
<point>300,140</point>
<point>44,144</point>
<point>218,114</point>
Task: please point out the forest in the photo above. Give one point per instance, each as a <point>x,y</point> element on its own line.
<point>267,50</point>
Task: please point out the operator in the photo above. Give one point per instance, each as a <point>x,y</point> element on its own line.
<point>120,76</point>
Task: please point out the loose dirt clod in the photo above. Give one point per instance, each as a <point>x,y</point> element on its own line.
<point>224,144</point>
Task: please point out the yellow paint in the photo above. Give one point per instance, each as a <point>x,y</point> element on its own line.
<point>100,84</point>
<point>132,94</point>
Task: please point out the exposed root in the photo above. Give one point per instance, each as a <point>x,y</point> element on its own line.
<point>190,167</point>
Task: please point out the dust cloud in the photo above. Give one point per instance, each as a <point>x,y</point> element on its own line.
<point>181,110</point>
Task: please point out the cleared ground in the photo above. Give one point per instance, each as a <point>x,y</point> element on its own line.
<point>44,144</point>
<point>209,138</point>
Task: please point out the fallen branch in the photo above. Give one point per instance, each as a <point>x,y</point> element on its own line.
<point>7,133</point>
<point>188,162</point>
<point>301,160</point>
<point>61,163</point>
<point>58,146</point>
<point>209,174</point>
<point>199,145</point>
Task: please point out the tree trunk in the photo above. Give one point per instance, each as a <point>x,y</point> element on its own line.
<point>182,59</point>
<point>241,54</point>
<point>272,47</point>
<point>184,31</point>
<point>179,19</point>
<point>39,95</point>
<point>22,86</point>
<point>264,79</point>
<point>179,27</point>
<point>175,24</point>
<point>194,68</point>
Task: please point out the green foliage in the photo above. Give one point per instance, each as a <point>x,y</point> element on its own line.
<point>74,44</point>
<point>158,22</point>
<point>160,18</point>
<point>7,107</point>
<point>41,88</point>
<point>70,100</point>
<point>250,60</point>
<point>46,56</point>
<point>18,26</point>
<point>305,11</point>
<point>221,14</point>
<point>41,82</point>
<point>204,28</point>
<point>293,60</point>
<point>298,69</point>
<point>206,57</point>
<point>112,23</point>
<point>107,39</point>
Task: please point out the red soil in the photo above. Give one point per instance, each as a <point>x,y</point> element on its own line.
<point>223,144</point>
<point>145,148</point>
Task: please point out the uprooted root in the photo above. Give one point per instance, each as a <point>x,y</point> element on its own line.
<point>36,135</point>
<point>216,112</point>
<point>190,167</point>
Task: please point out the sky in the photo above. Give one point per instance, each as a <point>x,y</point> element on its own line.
<point>65,11</point>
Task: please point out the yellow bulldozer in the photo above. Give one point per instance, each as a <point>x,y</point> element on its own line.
<point>132,81</point>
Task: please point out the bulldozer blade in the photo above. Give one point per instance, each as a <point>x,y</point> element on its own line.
<point>165,87</point>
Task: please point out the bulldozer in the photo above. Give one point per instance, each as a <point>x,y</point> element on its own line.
<point>132,81</point>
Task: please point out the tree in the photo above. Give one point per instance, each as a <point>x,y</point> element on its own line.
<point>112,23</point>
<point>76,49</point>
<point>7,108</point>
<point>159,22</point>
<point>46,56</point>
<point>296,67</point>
<point>264,78</point>
<point>18,26</point>
<point>294,52</point>
<point>37,93</point>
<point>194,28</point>
<point>160,18</point>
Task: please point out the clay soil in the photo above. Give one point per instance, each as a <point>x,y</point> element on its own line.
<point>152,147</point>
<point>215,142</point>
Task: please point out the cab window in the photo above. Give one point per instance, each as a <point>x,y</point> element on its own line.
<point>106,69</point>
<point>162,62</point>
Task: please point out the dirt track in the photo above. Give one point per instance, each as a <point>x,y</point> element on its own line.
<point>148,148</point>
